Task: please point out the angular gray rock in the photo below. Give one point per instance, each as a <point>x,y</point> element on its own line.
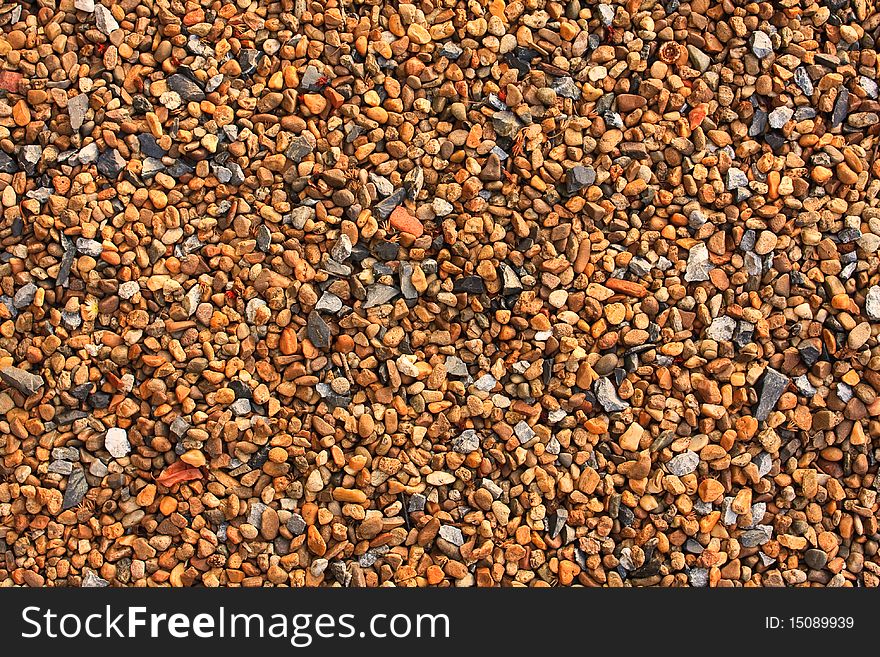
<point>22,380</point>
<point>683,464</point>
<point>607,396</point>
<point>698,265</point>
<point>76,490</point>
<point>774,384</point>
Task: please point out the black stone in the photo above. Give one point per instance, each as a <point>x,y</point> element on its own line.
<point>469,284</point>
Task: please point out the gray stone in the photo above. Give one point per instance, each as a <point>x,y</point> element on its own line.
<point>24,296</point>
<point>341,250</point>
<point>451,534</point>
<point>467,442</point>
<point>383,185</point>
<point>721,328</point>
<point>85,5</point>
<point>318,331</point>
<point>566,87</point>
<point>761,44</point>
<point>98,468</point>
<point>255,514</point>
<point>406,286</point>
<point>774,384</point>
<point>455,366</point>
<point>240,407</point>
<point>111,163</point>
<point>506,124</point>
<point>485,383</point>
<point>298,149</point>
<point>77,108</point>
<point>76,490</point>
<point>841,107</point>
<point>607,396</point>
<point>757,536</point>
<point>578,177</point>
<point>377,294</point>
<point>524,432</point>
<point>416,503</point>
<point>606,14</point>
<point>698,265</point>
<point>869,85</point>
<point>23,381</point>
<point>264,238</point>
<point>780,116</point>
<point>815,559</point>
<point>328,303</point>
<point>65,453</point>
<point>683,464</point>
<point>89,247</point>
<point>186,88</point>
<point>736,178</point>
<point>300,215</point>
<point>698,577</point>
<point>88,153</point>
<point>803,81</point>
<point>104,20</point>
<point>699,60</point>
<point>296,524</point>
<point>61,467</point>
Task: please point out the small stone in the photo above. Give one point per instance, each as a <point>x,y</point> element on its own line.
<point>187,88</point>
<point>524,432</point>
<point>859,336</point>
<point>77,108</point>
<point>402,220</point>
<point>607,396</point>
<point>699,59</point>
<point>24,296</point>
<point>26,383</point>
<point>76,488</point>
<point>721,328</point>
<point>698,265</point>
<point>85,5</point>
<point>104,20</point>
<point>683,464</point>
<point>872,303</point>
<point>452,535</point>
<point>761,44</point>
<point>774,384</point>
<point>116,442</point>
<point>780,116</point>
<point>92,581</point>
<point>318,331</point>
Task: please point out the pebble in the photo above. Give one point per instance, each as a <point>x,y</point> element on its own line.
<point>116,442</point>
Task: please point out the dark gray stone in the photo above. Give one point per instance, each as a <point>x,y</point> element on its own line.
<point>111,163</point>
<point>318,331</point>
<point>76,490</point>
<point>188,90</point>
<point>774,384</point>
